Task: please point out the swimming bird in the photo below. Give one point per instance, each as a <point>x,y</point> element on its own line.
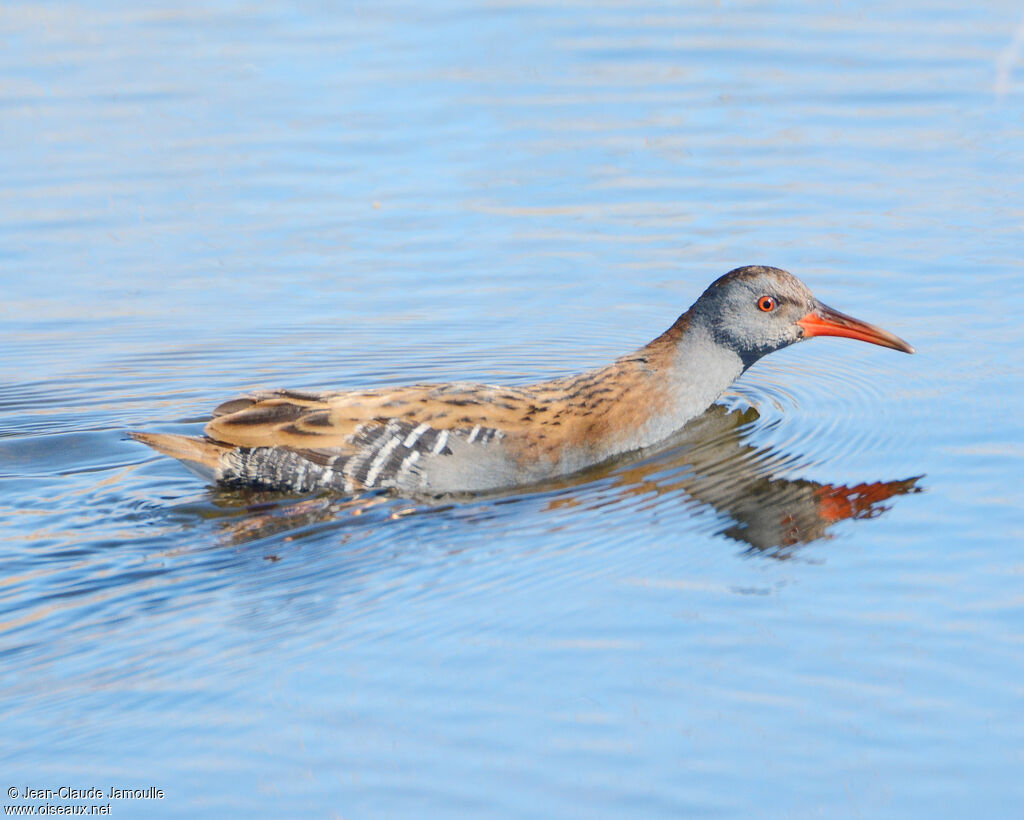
<point>439,439</point>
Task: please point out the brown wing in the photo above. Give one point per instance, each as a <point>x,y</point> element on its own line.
<point>576,410</point>
<point>334,421</point>
<point>353,440</point>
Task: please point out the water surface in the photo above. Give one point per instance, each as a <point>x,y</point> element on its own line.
<point>809,604</point>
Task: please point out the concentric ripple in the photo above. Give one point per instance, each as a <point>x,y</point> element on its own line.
<point>827,403</point>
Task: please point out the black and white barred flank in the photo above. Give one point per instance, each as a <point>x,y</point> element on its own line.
<point>383,455</point>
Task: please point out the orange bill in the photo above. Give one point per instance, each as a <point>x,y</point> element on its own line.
<point>824,321</point>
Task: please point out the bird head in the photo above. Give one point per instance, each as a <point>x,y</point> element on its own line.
<point>756,310</point>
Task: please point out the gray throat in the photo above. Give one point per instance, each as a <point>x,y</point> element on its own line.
<point>699,372</point>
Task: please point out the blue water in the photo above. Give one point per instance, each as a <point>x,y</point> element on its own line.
<point>810,605</point>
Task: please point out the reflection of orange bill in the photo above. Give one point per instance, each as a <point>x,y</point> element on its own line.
<point>839,503</point>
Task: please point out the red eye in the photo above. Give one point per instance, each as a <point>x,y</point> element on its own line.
<point>767,303</point>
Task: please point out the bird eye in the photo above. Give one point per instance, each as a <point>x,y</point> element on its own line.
<point>767,303</point>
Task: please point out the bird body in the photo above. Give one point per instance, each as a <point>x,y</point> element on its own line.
<point>436,439</point>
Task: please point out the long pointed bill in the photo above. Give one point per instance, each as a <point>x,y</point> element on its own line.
<point>824,321</point>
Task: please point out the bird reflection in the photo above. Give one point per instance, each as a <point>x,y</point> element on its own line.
<point>709,465</point>
<point>714,465</point>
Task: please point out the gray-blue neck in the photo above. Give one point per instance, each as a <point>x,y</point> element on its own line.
<point>696,371</point>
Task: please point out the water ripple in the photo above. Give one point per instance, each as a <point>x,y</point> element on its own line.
<point>831,402</point>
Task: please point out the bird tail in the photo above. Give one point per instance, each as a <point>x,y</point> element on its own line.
<point>201,455</point>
